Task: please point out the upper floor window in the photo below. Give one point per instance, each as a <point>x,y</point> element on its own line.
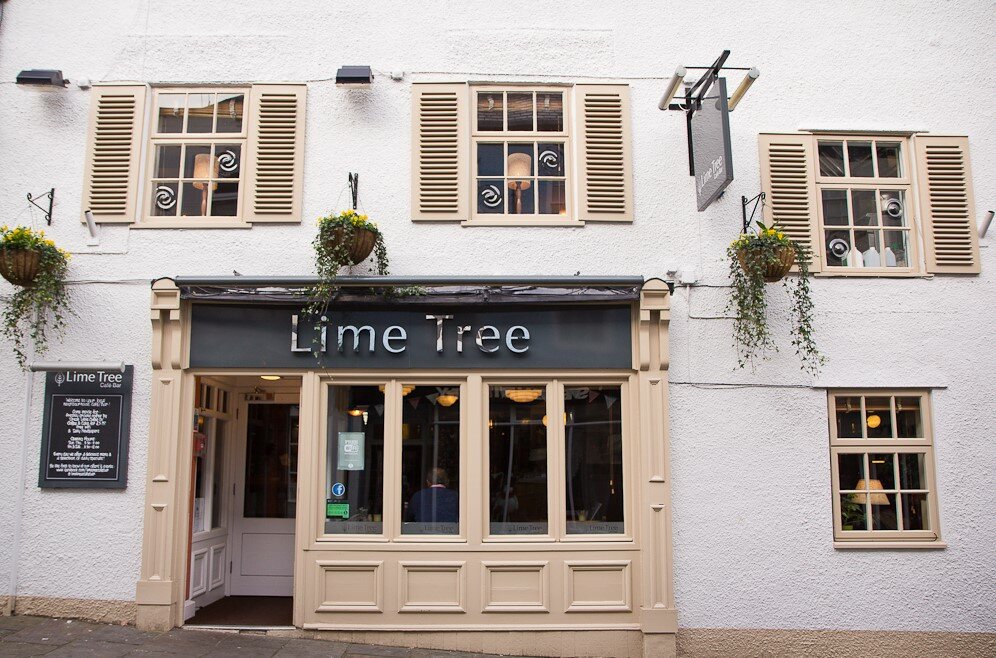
<point>197,145</point>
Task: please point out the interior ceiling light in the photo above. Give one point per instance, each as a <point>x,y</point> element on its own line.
<point>523,394</point>
<point>270,378</point>
<point>874,421</point>
<point>354,76</point>
<point>42,78</point>
<point>355,412</point>
<point>405,388</point>
<point>447,399</point>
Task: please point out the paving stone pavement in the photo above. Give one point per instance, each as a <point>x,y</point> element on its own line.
<point>67,638</point>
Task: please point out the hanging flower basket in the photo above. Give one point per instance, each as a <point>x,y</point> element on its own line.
<point>20,266</point>
<point>358,244</point>
<point>777,265</point>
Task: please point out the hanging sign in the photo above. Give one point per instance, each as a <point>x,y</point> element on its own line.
<point>712,153</point>
<point>85,429</point>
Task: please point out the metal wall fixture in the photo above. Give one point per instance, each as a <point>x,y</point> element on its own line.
<point>984,224</point>
<point>51,201</point>
<point>46,78</point>
<point>354,76</point>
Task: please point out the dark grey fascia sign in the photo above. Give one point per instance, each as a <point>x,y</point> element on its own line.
<point>712,152</point>
<point>85,429</point>
<point>514,336</point>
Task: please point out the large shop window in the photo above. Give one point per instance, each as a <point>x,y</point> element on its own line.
<point>553,462</point>
<point>883,473</point>
<point>873,205</point>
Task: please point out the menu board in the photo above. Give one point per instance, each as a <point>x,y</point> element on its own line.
<point>85,429</point>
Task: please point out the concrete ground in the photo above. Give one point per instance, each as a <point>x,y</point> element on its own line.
<point>66,638</point>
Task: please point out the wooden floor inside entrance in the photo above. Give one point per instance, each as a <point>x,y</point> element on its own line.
<point>246,611</point>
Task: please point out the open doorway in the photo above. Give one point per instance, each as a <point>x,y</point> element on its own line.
<point>243,502</point>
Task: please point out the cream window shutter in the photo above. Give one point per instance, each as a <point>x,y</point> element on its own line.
<point>440,152</point>
<point>788,179</point>
<point>603,153</point>
<point>113,153</point>
<point>944,181</point>
<point>276,153</point>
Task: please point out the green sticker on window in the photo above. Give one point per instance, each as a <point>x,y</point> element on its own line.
<point>333,510</point>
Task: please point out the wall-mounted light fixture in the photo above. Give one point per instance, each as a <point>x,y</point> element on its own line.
<point>672,87</point>
<point>984,224</point>
<point>752,75</point>
<point>44,78</point>
<point>354,76</point>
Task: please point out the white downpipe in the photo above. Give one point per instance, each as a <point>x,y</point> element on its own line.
<point>15,554</point>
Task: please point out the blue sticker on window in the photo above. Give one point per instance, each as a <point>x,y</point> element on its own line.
<point>338,489</point>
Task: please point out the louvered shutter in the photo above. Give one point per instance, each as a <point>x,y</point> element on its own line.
<point>788,179</point>
<point>603,153</point>
<point>944,179</point>
<point>276,148</point>
<point>113,150</point>
<point>440,151</point>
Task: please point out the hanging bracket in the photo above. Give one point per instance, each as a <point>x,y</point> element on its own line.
<point>354,187</point>
<point>758,202</point>
<point>51,201</point>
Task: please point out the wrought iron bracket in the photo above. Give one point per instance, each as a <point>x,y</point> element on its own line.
<point>51,201</point>
<point>354,187</point>
<point>758,202</point>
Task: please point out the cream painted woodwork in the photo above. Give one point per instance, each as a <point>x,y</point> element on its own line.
<point>603,152</point>
<point>276,153</point>
<point>113,153</point>
<point>440,152</point>
<point>788,179</point>
<point>947,204</point>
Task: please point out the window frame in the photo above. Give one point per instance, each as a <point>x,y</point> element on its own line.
<point>566,137</point>
<point>905,182</point>
<point>155,138</point>
<point>920,445</point>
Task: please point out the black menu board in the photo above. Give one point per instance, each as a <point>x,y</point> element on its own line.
<point>85,429</point>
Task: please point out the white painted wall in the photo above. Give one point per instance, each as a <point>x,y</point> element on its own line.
<point>751,474</point>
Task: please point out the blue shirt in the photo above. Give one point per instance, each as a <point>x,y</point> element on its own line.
<point>434,505</point>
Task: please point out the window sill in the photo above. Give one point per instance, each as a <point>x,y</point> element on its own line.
<point>190,224</point>
<point>936,544</point>
<point>871,274</point>
<point>568,223</point>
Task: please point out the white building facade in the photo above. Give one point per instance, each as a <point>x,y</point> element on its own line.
<point>723,509</point>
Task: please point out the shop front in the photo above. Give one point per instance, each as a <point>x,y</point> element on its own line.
<point>485,459</point>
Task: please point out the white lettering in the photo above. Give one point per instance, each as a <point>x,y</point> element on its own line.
<point>510,337</point>
<point>439,328</point>
<point>460,333</point>
<point>494,335</point>
<point>356,336</point>
<point>388,337</point>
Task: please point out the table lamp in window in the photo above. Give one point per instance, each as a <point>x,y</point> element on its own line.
<point>872,485</point>
<point>519,167</point>
<point>205,166</point>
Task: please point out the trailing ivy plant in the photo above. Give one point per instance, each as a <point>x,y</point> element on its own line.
<point>37,309</point>
<point>750,256</point>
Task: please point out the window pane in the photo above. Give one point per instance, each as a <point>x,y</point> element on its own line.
<point>852,513</point>
<point>164,199</point>
<point>230,108</point>
<point>888,160</point>
<point>883,508</point>
<point>193,203</point>
<point>551,159</point>
<point>550,112</point>
<point>834,207</point>
<point>197,161</point>
<point>520,160</point>
<point>916,513</point>
<point>838,247</point>
<point>490,159</point>
<point>867,243</point>
<point>878,418</point>
<point>522,197</point>
<point>354,488</point>
<point>831,158</point>
<point>517,459</point>
<point>201,447</point>
<point>848,418</point>
<point>911,471</point>
<point>490,113</point>
<point>200,113</point>
<point>893,208</point>
<point>909,424</point>
<point>430,461</point>
<point>881,471</point>
<point>170,113</point>
<point>859,159</point>
<point>217,495</point>
<point>271,461</point>
<point>851,470</point>
<point>167,161</point>
<point>225,200</point>
<point>552,197</point>
<point>228,161</point>
<point>593,443</point>
<point>895,253</point>
<point>863,208</point>
<point>491,196</point>
<point>520,111</point>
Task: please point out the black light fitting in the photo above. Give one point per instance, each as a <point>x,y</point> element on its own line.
<point>354,76</point>
<point>42,77</point>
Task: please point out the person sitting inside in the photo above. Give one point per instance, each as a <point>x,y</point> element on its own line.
<point>436,503</point>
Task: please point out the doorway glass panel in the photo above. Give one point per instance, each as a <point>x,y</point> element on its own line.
<point>271,461</point>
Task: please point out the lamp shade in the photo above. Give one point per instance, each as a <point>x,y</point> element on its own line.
<point>519,166</point>
<point>205,166</point>
<point>872,485</point>
<point>523,394</point>
<point>447,399</point>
